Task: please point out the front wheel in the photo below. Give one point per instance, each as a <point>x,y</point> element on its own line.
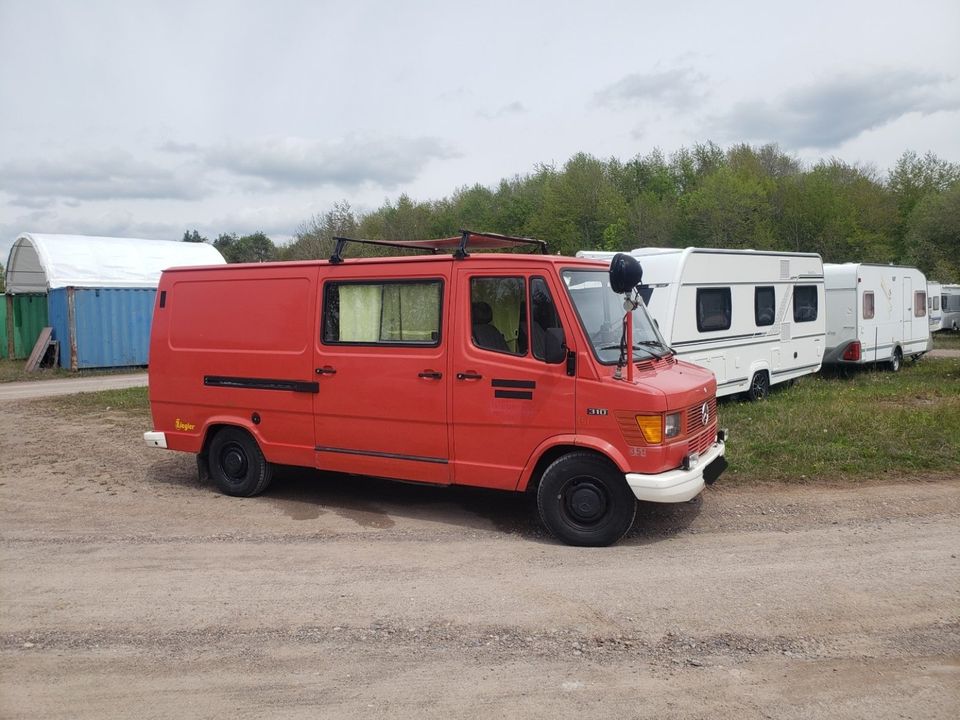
<point>237,464</point>
<point>584,500</point>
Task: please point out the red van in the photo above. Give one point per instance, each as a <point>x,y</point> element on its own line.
<point>498,370</point>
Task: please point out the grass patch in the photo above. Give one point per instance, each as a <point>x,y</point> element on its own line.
<point>129,400</point>
<point>12,371</point>
<point>867,424</point>
<point>946,340</point>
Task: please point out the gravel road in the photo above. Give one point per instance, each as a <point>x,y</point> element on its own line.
<point>69,386</point>
<point>129,589</point>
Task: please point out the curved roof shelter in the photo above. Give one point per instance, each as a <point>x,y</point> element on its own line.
<point>38,263</point>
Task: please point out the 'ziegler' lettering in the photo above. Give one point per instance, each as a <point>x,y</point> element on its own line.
<point>183,426</point>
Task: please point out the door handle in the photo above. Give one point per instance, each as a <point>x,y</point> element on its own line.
<point>469,376</point>
<point>430,375</point>
<point>325,370</point>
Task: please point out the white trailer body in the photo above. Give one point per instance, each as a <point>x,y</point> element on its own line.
<point>754,318</point>
<point>875,313</point>
<point>934,313</point>
<point>950,307</point>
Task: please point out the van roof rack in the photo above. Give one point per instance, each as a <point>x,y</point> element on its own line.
<point>467,239</point>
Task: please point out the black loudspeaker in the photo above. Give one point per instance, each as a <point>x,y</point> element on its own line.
<point>625,273</point>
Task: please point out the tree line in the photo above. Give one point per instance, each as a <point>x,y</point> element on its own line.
<point>741,197</point>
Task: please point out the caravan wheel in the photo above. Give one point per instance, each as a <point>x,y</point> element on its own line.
<point>759,386</point>
<point>896,361</point>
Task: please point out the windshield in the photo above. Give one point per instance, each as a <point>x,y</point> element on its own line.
<point>601,316</point>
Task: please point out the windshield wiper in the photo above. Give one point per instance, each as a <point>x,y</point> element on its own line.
<point>635,347</point>
<point>657,344</point>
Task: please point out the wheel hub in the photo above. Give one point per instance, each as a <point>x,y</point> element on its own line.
<point>234,463</point>
<point>586,502</point>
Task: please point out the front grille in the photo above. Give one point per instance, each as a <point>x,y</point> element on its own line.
<point>702,442</point>
<point>695,416</point>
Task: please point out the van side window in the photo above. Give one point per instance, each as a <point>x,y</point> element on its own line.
<point>868,307</point>
<point>546,332</point>
<point>496,309</point>
<point>919,303</point>
<point>804,303</point>
<point>382,313</point>
<point>764,304</point>
<point>713,309</point>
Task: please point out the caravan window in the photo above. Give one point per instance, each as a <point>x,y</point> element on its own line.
<point>936,302</point>
<point>868,307</point>
<point>764,304</point>
<point>713,309</point>
<point>919,303</point>
<point>804,303</point>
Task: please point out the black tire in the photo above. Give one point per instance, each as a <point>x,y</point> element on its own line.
<point>759,386</point>
<point>236,463</point>
<point>584,500</point>
<point>896,361</point>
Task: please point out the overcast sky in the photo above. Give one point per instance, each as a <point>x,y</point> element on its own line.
<point>145,119</point>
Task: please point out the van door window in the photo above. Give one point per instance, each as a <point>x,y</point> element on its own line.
<point>919,304</point>
<point>936,302</point>
<point>764,304</point>
<point>546,332</point>
<point>868,306</point>
<point>382,313</point>
<point>496,309</point>
<point>804,303</point>
<point>713,309</point>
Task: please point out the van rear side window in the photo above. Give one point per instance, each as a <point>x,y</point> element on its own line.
<point>804,303</point>
<point>382,313</point>
<point>713,309</point>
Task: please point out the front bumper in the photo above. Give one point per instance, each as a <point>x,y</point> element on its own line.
<point>675,485</point>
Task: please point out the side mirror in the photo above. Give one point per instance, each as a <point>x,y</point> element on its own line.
<point>625,273</point>
<point>554,351</point>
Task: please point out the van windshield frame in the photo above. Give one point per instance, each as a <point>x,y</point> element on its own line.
<point>600,313</point>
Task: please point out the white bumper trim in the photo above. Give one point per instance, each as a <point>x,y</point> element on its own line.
<point>674,485</point>
<point>155,439</point>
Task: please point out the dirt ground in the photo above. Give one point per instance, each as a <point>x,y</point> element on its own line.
<point>129,589</point>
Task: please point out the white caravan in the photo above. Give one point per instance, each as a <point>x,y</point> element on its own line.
<point>934,314</point>
<point>754,318</point>
<point>875,313</point>
<point>950,307</point>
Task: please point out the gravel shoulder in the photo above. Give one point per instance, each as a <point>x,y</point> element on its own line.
<point>128,588</point>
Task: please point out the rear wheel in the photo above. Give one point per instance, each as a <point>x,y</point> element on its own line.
<point>584,500</point>
<point>897,360</point>
<point>759,386</point>
<point>237,464</point>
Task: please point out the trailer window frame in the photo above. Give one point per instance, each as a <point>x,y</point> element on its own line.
<point>764,308</point>
<point>919,303</point>
<point>869,308</point>
<point>720,317</point>
<point>802,307</point>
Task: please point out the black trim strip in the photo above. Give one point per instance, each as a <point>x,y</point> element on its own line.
<point>390,456</point>
<point>762,338</point>
<point>529,384</point>
<point>261,384</point>
<point>732,382</point>
<point>513,394</point>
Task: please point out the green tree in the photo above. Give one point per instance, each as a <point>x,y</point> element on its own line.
<point>3,279</point>
<point>314,239</point>
<point>246,249</point>
<point>933,235</point>
<point>193,236</point>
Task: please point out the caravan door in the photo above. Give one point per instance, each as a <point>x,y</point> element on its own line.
<point>907,305</point>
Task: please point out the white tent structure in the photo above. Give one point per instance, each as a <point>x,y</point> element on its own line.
<point>38,262</point>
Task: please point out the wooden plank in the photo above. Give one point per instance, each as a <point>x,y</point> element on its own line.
<point>39,349</point>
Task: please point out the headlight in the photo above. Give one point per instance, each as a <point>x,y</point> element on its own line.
<point>671,425</point>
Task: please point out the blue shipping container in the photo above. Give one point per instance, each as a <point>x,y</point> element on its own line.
<point>106,327</point>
